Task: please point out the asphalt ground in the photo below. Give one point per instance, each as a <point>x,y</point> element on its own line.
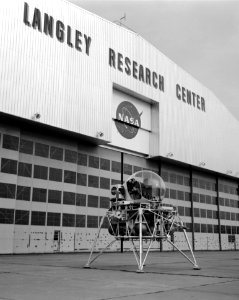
<point>167,275</point>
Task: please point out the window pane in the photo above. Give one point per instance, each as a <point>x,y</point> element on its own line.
<point>105,164</point>
<point>39,195</point>
<point>116,167</point>
<point>94,162</point>
<point>9,166</point>
<point>24,169</point>
<point>6,216</point>
<point>92,221</point>
<point>26,146</point>
<point>93,181</point>
<point>92,201</point>
<point>80,199</point>
<point>70,156</point>
<point>188,211</point>
<point>127,169</point>
<point>53,219</point>
<point>180,179</point>
<point>68,220</point>
<point>7,190</point>
<point>54,196</point>
<point>69,198</point>
<point>56,153</point>
<point>80,220</point>
<point>55,174</point>
<point>69,177</point>
<point>81,179</point>
<point>104,202</point>
<point>136,169</point>
<point>104,183</point>
<point>10,142</point>
<point>40,172</point>
<point>22,217</point>
<point>82,159</point>
<point>38,218</point>
<point>23,193</point>
<point>41,150</point>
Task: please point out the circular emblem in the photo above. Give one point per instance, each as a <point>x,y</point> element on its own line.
<point>128,120</point>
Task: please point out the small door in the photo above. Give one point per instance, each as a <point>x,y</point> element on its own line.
<point>56,240</point>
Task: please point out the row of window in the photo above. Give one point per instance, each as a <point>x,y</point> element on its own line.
<point>40,218</point>
<point>57,153</point>
<point>51,196</point>
<point>181,195</point>
<point>198,183</point>
<point>208,214</point>
<point>212,228</point>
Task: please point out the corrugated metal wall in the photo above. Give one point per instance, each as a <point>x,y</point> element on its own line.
<point>74,91</point>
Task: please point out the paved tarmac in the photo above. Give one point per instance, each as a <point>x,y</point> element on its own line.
<point>167,275</point>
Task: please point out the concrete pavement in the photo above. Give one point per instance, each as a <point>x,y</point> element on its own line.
<point>167,275</point>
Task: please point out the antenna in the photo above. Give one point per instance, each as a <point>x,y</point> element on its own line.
<point>120,23</point>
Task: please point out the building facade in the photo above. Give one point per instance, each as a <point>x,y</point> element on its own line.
<point>84,103</point>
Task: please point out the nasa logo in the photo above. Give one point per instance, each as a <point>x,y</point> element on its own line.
<point>128,119</point>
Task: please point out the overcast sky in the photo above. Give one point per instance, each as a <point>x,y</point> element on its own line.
<point>202,37</point>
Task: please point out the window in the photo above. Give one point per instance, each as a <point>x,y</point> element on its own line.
<point>180,195</point>
<point>26,146</point>
<point>227,202</point>
<point>228,215</point>
<point>203,227</point>
<point>38,218</point>
<point>195,182</point>
<point>7,190</point>
<point>127,169</point>
<point>55,174</point>
<point>82,159</point>
<point>164,175</point>
<point>209,228</point>
<point>80,220</point>
<point>56,153</point>
<point>53,219</point>
<point>69,177</point>
<point>104,183</point>
<point>196,212</point>
<point>173,194</point>
<point>105,223</point>
<point>54,196</point>
<point>92,221</point>
<point>215,214</point>
<point>104,202</point>
<point>10,142</point>
<point>40,172</point>
<point>188,211</point>
<point>229,229</point>
<point>116,166</point>
<point>94,162</point>
<point>196,227</point>
<point>80,200</point>
<point>221,201</point>
<point>186,181</point>
<point>208,199</point>
<point>195,197</point>
<point>69,198</point>
<point>68,220</point>
<point>180,179</point>
<point>39,195</point>
<point>6,216</point>
<point>70,156</point>
<point>214,200</point>
<point>215,228</point>
<point>172,178</point>
<point>136,169</point>
<point>93,181</point>
<point>9,166</point>
<point>222,215</point>
<point>22,217</point>
<point>105,164</point>
<point>115,181</point>
<point>23,193</point>
<point>41,150</point>
<point>81,179</point>
<point>202,198</point>
<point>181,210</point>
<point>92,201</point>
<point>24,169</point>
<point>209,214</point>
<point>187,196</point>
<point>203,213</point>
<point>223,229</point>
<point>202,184</point>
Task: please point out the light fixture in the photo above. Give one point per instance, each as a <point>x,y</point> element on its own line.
<point>99,134</point>
<point>36,116</point>
<point>202,164</point>
<point>170,154</point>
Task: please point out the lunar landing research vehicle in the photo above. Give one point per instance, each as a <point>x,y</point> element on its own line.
<point>138,214</point>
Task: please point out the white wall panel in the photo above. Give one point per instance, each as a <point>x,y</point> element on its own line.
<point>74,91</point>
